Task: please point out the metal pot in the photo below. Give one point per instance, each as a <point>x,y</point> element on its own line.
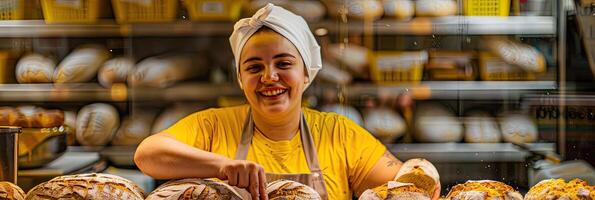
<point>8,148</point>
<point>39,146</point>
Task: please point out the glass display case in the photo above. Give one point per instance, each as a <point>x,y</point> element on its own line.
<point>480,88</point>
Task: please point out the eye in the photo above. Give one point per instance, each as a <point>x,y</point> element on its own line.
<point>284,64</point>
<point>254,68</point>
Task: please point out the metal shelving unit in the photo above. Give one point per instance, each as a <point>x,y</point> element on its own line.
<point>468,152</point>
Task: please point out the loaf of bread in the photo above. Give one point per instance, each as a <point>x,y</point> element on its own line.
<point>420,173</point>
<point>115,70</point>
<point>483,190</point>
<point>96,124</point>
<point>435,8</point>
<point>172,115</point>
<point>353,56</point>
<point>345,110</point>
<point>134,129</point>
<point>558,189</point>
<point>384,123</point>
<point>81,65</point>
<point>356,9</point>
<point>435,123</point>
<point>517,128</point>
<point>162,71</point>
<point>197,189</point>
<point>9,191</point>
<point>480,127</point>
<point>395,191</point>
<point>399,9</point>
<point>286,189</point>
<point>310,10</point>
<point>10,116</point>
<point>517,53</point>
<point>333,74</point>
<point>35,68</point>
<point>31,117</point>
<point>87,186</point>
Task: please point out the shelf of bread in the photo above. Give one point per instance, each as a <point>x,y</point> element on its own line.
<point>60,92</point>
<point>469,25</point>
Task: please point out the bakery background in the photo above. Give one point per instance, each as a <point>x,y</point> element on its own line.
<point>456,82</point>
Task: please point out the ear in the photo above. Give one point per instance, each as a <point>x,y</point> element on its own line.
<point>306,80</point>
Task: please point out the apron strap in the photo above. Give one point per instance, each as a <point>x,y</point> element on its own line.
<point>246,139</point>
<point>308,143</point>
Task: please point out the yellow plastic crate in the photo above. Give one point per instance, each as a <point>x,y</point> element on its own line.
<point>492,68</point>
<point>72,11</point>
<point>144,11</point>
<point>12,9</point>
<point>208,10</point>
<point>486,7</point>
<point>394,67</point>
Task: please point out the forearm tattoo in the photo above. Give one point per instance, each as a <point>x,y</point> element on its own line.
<point>392,161</point>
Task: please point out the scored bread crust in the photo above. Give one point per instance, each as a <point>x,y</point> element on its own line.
<point>11,191</point>
<point>286,189</point>
<point>87,186</point>
<point>196,189</point>
<point>395,190</point>
<point>419,172</point>
<point>483,190</point>
<point>558,189</point>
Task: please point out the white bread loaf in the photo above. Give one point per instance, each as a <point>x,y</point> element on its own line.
<point>9,191</point>
<point>172,115</point>
<point>134,129</point>
<point>35,68</point>
<point>331,73</point>
<point>87,186</point>
<point>435,123</point>
<point>395,191</point>
<point>115,70</point>
<point>420,173</point>
<point>483,190</point>
<point>286,189</point>
<point>384,123</point>
<point>345,110</point>
<point>480,127</point>
<point>310,10</point>
<point>81,65</point>
<point>558,189</point>
<point>435,8</point>
<point>197,189</point>
<point>517,53</point>
<point>353,56</point>
<point>96,124</point>
<point>162,71</point>
<point>399,9</point>
<point>517,128</point>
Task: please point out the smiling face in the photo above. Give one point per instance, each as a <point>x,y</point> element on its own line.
<point>272,73</point>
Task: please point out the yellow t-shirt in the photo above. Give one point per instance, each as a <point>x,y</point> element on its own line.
<point>346,151</point>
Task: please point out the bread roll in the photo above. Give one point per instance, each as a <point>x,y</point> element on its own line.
<point>435,8</point>
<point>558,189</point>
<point>10,116</point>
<point>399,9</point>
<point>483,190</point>
<point>518,128</point>
<point>87,186</point>
<point>434,123</point>
<point>345,110</point>
<point>421,173</point>
<point>28,113</point>
<point>172,115</point>
<point>197,189</point>
<point>115,70</point>
<point>286,189</point>
<point>385,124</point>
<point>162,71</point>
<point>36,117</point>
<point>134,129</point>
<point>395,191</point>
<point>331,73</point>
<point>517,53</point>
<point>480,127</point>
<point>81,65</point>
<point>96,124</point>
<point>353,56</point>
<point>35,68</point>
<point>9,191</point>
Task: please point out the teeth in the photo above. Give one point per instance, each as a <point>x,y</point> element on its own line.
<point>273,92</point>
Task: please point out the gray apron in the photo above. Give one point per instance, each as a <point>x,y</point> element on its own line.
<point>313,179</point>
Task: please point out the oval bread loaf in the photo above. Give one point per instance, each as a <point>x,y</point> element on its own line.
<point>81,65</point>
<point>9,191</point>
<point>35,68</point>
<point>87,186</point>
<point>96,124</point>
<point>197,189</point>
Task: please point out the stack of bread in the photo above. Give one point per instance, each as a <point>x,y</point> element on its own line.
<point>87,186</point>
<point>558,189</point>
<point>483,190</point>
<point>9,191</point>
<point>31,117</point>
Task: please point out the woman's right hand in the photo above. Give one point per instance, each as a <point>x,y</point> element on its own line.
<point>245,174</point>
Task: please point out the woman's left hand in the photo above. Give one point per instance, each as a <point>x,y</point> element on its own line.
<point>436,195</point>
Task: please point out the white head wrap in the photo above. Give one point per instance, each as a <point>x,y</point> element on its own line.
<point>284,22</point>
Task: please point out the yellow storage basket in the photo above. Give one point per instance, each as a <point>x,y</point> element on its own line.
<point>492,68</point>
<point>73,11</point>
<point>486,7</point>
<point>143,11</point>
<point>388,68</point>
<point>223,10</point>
<point>12,9</point>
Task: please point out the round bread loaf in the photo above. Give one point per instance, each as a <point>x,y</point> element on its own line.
<point>96,124</point>
<point>435,123</point>
<point>353,56</point>
<point>9,191</point>
<point>134,129</point>
<point>558,189</point>
<point>399,9</point>
<point>197,189</point>
<point>286,189</point>
<point>395,191</point>
<point>421,173</point>
<point>518,128</point>
<point>345,110</point>
<point>333,74</point>
<point>480,127</point>
<point>115,70</point>
<point>172,115</point>
<point>162,71</point>
<point>483,190</point>
<point>35,68</point>
<point>81,65</point>
<point>87,186</point>
<point>435,8</point>
<point>384,123</point>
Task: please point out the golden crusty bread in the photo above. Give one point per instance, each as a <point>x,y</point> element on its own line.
<point>87,186</point>
<point>9,191</point>
<point>31,117</point>
<point>485,189</point>
<point>419,172</point>
<point>290,190</point>
<point>558,189</point>
<point>395,190</point>
<point>197,189</point>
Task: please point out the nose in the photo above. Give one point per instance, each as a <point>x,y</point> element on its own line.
<point>270,74</point>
